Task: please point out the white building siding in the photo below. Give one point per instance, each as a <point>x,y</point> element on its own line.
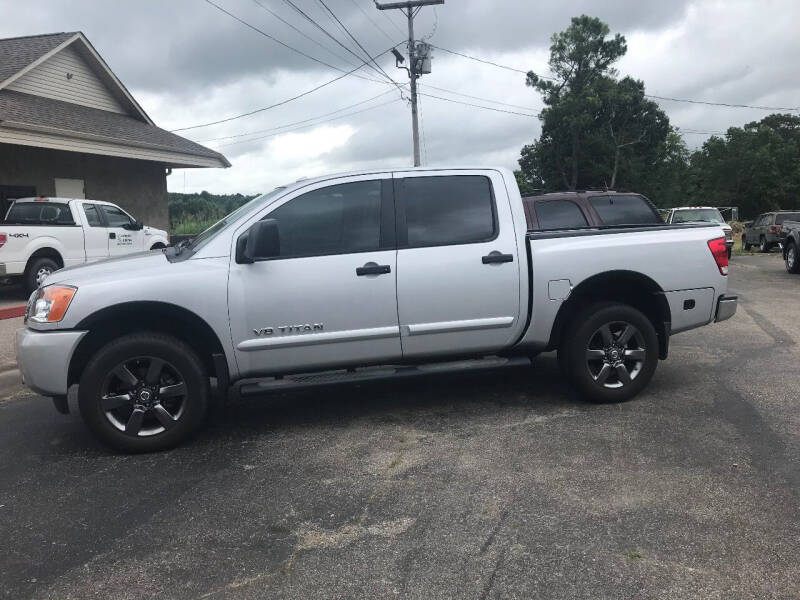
<point>49,79</point>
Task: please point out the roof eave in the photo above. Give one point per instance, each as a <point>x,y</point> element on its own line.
<point>55,139</point>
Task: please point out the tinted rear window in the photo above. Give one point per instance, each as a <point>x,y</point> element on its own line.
<point>40,213</point>
<point>559,214</point>
<point>780,218</point>
<point>625,210</point>
<point>442,210</point>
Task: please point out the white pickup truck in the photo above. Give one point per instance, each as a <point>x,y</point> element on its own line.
<point>42,235</point>
<point>379,274</point>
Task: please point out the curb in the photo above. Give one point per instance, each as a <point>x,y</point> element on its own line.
<point>12,312</point>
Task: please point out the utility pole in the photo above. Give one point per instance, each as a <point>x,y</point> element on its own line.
<point>418,59</point>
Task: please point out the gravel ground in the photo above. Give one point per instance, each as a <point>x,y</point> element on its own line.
<point>492,485</point>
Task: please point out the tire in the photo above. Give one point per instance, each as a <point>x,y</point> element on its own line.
<point>730,252</point>
<point>792,258</point>
<point>37,270</point>
<point>745,245</point>
<point>144,392</point>
<point>603,367</point>
<point>157,246</point>
<point>763,246</point>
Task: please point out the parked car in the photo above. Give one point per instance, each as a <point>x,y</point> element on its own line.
<point>374,275</point>
<point>791,245</point>
<point>41,235</point>
<point>765,231</point>
<point>701,214</point>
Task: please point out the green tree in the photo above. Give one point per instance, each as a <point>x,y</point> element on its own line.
<point>580,58</point>
<point>755,167</point>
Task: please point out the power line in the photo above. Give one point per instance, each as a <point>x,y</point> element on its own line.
<point>274,39</point>
<point>326,32</point>
<point>348,107</point>
<point>395,25</point>
<point>352,37</point>
<point>484,61</point>
<point>366,14</point>
<point>510,112</point>
<point>358,112</point>
<point>281,103</point>
<point>433,87</point>
<point>301,32</point>
<point>667,98</point>
<point>729,105</point>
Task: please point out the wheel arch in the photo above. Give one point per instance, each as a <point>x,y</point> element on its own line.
<point>45,252</point>
<point>130,317</point>
<point>629,287</point>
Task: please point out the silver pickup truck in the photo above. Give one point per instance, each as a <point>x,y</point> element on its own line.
<point>365,276</point>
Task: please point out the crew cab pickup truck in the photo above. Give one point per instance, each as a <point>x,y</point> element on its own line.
<point>695,214</point>
<point>42,235</point>
<point>365,276</point>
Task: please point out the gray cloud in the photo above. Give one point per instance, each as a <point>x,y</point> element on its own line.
<point>187,63</point>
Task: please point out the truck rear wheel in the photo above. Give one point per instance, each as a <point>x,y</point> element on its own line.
<point>37,271</point>
<point>611,352</point>
<point>144,392</point>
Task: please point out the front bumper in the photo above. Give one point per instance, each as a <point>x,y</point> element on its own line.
<point>43,358</point>
<point>726,308</point>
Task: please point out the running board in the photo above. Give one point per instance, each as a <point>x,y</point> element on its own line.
<point>251,387</point>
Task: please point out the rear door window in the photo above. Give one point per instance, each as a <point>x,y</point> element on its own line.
<point>559,214</point>
<point>445,210</point>
<point>40,213</point>
<point>92,215</point>
<point>622,209</point>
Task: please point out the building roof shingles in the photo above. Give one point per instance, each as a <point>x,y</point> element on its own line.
<point>17,53</point>
<point>16,107</point>
<point>38,111</point>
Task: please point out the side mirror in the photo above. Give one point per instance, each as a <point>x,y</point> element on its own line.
<point>260,242</point>
<point>133,226</point>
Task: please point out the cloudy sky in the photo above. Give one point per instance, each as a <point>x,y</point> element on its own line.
<point>189,63</point>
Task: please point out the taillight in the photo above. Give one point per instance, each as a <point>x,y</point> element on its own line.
<point>773,229</point>
<point>3,239</point>
<point>720,254</point>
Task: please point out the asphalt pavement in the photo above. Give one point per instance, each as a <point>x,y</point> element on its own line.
<point>490,485</point>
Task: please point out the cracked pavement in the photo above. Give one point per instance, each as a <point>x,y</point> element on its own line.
<point>489,485</point>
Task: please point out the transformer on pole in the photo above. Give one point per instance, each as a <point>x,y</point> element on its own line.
<point>419,58</point>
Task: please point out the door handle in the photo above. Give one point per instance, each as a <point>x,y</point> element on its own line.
<point>112,235</point>
<point>372,268</point>
<point>496,257</point>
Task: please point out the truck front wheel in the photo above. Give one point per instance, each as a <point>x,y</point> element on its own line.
<point>611,352</point>
<point>37,271</point>
<point>144,392</point>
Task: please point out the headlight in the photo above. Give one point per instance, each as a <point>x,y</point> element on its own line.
<point>50,303</point>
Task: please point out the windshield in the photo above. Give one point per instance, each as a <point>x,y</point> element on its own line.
<point>206,236</point>
<point>707,215</point>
